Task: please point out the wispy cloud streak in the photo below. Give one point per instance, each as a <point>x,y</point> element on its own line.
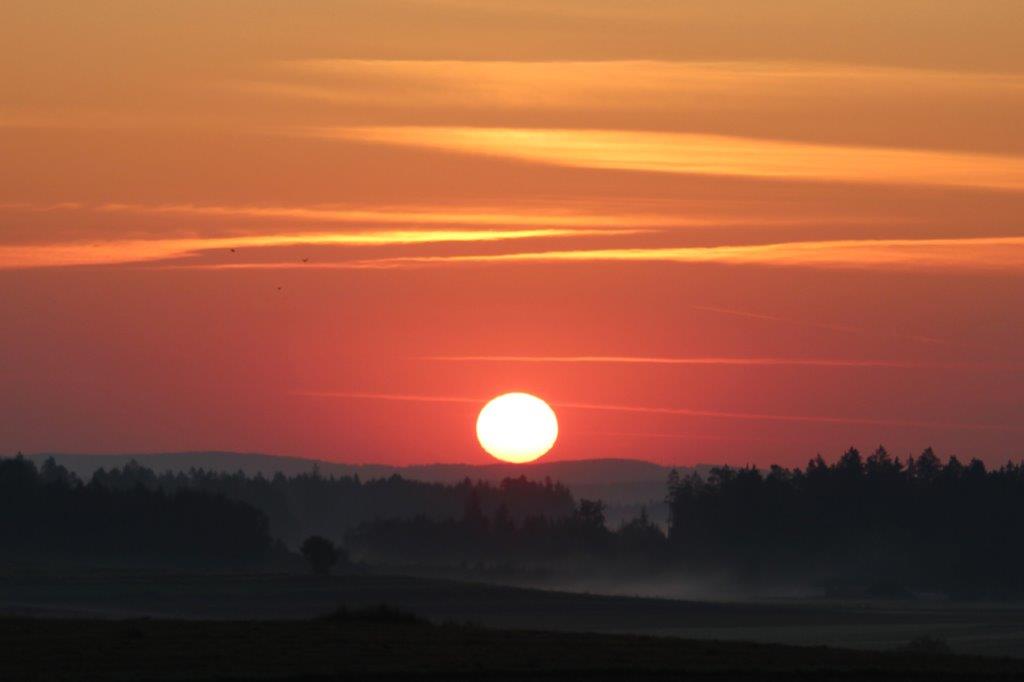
<point>679,411</point>
<point>429,215</point>
<point>113,252</point>
<point>712,361</point>
<point>677,436</point>
<point>843,328</point>
<point>969,254</point>
<point>702,154</point>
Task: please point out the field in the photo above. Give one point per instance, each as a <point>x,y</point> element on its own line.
<point>977,629</point>
<point>56,649</point>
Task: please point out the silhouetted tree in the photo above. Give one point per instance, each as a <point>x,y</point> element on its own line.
<point>640,538</point>
<point>503,522</point>
<point>321,554</point>
<point>590,513</point>
<point>473,513</point>
<point>927,466</point>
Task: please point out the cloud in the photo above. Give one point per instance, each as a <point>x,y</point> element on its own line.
<point>562,216</point>
<point>696,361</point>
<point>841,328</point>
<point>108,252</point>
<point>679,411</point>
<point>963,254</point>
<point>966,255</point>
<point>678,436</point>
<point>702,154</point>
<point>616,83</point>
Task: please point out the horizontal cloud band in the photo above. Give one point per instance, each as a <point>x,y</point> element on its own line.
<point>701,154</point>
<point>709,361</point>
<point>975,254</point>
<point>150,250</point>
<point>686,412</point>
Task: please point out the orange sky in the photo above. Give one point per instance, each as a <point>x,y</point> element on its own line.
<point>721,231</point>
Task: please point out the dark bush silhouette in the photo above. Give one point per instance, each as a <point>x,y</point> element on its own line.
<point>935,646</point>
<point>321,554</point>
<point>381,614</point>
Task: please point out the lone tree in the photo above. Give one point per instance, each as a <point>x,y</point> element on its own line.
<point>321,554</point>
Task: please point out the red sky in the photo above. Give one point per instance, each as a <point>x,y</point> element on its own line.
<point>705,232</point>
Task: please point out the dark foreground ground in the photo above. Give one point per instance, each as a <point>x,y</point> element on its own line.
<point>969,628</point>
<point>62,649</point>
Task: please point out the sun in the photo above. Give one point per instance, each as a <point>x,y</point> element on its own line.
<point>517,427</point>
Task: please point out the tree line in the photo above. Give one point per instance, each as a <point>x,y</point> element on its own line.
<point>312,504</point>
<point>48,513</point>
<point>132,513</point>
<point>499,538</point>
<point>860,525</point>
<point>955,528</point>
<point>919,524</point>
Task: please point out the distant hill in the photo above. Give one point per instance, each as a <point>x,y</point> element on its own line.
<point>619,482</point>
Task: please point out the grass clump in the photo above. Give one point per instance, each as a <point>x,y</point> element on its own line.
<point>382,614</point>
<point>927,644</point>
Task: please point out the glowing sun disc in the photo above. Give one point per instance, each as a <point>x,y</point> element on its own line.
<point>517,427</point>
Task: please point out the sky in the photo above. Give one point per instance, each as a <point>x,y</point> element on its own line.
<point>724,231</point>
